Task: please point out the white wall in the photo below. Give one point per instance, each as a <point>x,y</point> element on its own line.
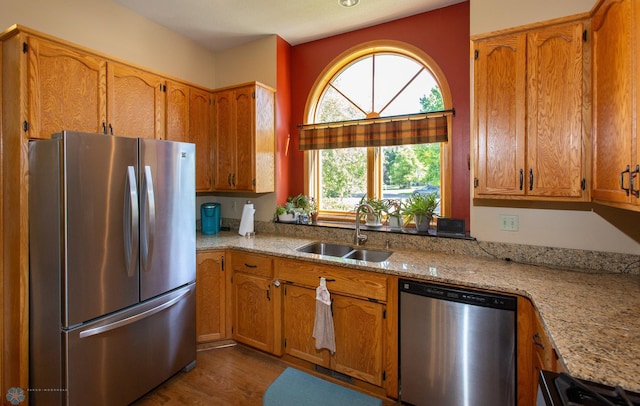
<point>111,29</point>
<point>554,228</point>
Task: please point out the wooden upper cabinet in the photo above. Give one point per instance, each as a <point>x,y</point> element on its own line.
<point>66,89</point>
<point>616,73</point>
<point>500,71</point>
<point>555,111</point>
<point>225,140</point>
<point>244,148</point>
<point>135,102</point>
<point>201,134</point>
<point>529,100</point>
<point>177,112</point>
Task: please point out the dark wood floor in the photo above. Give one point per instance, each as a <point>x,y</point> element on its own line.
<point>233,375</point>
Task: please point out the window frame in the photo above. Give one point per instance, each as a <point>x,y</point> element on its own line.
<point>374,156</point>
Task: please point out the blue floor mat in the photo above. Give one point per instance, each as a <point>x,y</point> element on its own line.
<point>297,388</point>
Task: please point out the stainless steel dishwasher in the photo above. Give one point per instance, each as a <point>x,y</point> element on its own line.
<point>457,347</point>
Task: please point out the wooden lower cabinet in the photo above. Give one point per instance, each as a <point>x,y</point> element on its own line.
<point>255,300</point>
<point>358,326</point>
<point>359,310</point>
<point>535,352</point>
<point>210,296</point>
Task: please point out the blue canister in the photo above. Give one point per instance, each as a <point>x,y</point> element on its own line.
<point>210,216</point>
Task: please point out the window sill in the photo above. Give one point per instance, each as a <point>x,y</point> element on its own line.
<point>382,229</point>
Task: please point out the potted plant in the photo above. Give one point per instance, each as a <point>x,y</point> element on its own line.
<point>393,210</point>
<point>379,206</point>
<point>421,207</point>
<point>293,208</point>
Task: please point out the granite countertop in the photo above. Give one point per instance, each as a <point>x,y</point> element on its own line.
<point>592,318</point>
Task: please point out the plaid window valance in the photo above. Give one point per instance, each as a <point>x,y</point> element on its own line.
<point>420,128</point>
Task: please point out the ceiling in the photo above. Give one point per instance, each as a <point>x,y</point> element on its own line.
<point>223,24</point>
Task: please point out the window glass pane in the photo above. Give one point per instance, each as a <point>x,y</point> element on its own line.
<point>334,107</point>
<point>344,178</point>
<point>356,81</point>
<point>410,100</point>
<point>410,169</point>
<point>392,73</point>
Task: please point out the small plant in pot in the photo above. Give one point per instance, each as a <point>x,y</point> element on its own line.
<point>292,209</point>
<point>393,211</point>
<point>379,206</point>
<point>421,207</point>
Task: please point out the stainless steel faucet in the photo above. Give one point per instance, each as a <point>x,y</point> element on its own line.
<point>358,238</point>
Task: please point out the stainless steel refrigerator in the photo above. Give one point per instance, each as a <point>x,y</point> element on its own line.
<point>112,267</point>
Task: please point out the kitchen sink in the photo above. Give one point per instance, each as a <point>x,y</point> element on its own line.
<point>326,248</point>
<point>345,251</point>
<point>369,255</point>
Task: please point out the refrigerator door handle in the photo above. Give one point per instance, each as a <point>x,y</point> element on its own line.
<point>133,319</point>
<point>148,225</point>
<point>131,218</point>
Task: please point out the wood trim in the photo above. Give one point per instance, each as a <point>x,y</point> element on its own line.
<point>533,26</point>
<point>15,225</point>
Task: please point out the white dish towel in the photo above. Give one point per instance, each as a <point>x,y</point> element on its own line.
<point>323,331</point>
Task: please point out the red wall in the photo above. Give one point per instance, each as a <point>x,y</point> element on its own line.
<point>444,35</point>
<point>283,120</point>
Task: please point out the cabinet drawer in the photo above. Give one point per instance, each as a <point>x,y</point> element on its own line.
<point>339,280</point>
<point>252,263</point>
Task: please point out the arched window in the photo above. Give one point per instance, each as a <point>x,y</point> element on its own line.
<point>372,81</point>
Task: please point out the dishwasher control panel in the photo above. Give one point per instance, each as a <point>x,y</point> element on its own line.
<point>459,295</point>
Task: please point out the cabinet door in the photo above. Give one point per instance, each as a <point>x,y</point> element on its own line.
<point>253,312</point>
<point>358,326</point>
<point>224,150</point>
<point>177,112</point>
<point>614,96</point>
<point>210,296</point>
<point>554,111</point>
<point>244,175</point>
<point>500,69</point>
<point>66,89</point>
<point>299,309</point>
<point>200,134</point>
<point>136,102</point>
<point>264,152</point>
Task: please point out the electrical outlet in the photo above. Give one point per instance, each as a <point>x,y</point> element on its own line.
<point>508,223</point>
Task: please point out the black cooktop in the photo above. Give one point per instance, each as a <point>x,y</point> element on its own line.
<point>564,390</point>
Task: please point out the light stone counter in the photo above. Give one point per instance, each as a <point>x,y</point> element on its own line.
<point>593,318</point>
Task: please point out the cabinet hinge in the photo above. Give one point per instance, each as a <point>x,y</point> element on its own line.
<point>584,36</point>
<point>25,48</point>
<point>25,126</point>
<point>253,182</point>
<point>476,54</point>
<point>285,343</point>
<point>253,94</point>
<point>384,314</point>
<point>384,375</point>
<point>583,184</point>
<point>475,182</point>
<point>222,263</point>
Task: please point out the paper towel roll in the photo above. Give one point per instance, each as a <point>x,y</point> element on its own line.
<point>246,221</point>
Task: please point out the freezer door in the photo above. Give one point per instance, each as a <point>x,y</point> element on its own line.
<point>100,274</point>
<point>167,216</point>
<point>116,360</point>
